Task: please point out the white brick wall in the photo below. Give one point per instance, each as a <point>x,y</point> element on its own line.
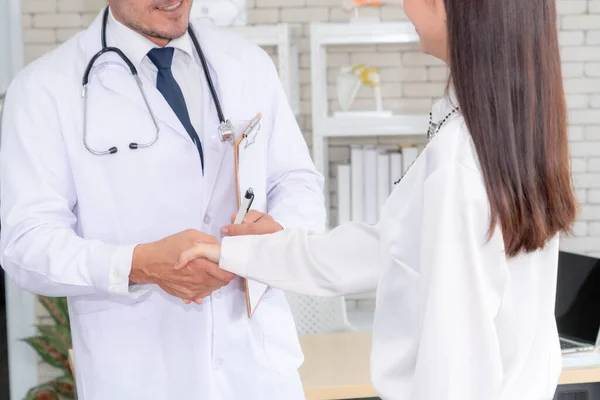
<point>579,38</point>
<point>410,80</point>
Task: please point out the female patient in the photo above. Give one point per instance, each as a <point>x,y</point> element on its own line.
<point>464,259</point>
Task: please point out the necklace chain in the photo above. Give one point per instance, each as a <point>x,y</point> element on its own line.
<point>432,131</point>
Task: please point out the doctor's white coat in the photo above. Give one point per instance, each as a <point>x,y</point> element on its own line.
<point>70,220</point>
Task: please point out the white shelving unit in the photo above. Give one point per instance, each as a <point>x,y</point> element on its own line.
<point>221,12</point>
<point>326,126</point>
<point>285,39</point>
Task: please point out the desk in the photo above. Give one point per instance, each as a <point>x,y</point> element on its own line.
<point>337,367</point>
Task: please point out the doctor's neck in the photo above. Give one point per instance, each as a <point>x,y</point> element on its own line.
<point>160,21</point>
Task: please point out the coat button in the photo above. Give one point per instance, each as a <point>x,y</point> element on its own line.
<point>218,364</point>
<point>207,219</point>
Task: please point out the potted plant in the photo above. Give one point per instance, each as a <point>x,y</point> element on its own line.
<point>52,344</point>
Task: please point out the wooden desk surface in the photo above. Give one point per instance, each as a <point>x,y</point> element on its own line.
<point>337,367</point>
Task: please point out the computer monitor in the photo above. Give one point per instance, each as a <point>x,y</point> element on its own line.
<point>578,298</point>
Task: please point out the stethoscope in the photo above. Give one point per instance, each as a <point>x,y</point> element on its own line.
<point>226,129</point>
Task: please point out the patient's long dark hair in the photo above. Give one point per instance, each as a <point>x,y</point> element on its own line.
<point>506,70</point>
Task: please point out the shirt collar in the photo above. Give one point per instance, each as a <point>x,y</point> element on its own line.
<point>136,46</point>
<point>184,43</point>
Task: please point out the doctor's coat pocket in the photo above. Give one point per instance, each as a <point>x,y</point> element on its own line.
<point>98,316</point>
<point>281,343</point>
<point>119,352</point>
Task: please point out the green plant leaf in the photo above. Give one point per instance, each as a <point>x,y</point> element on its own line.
<point>31,394</point>
<point>58,309</point>
<point>58,337</point>
<point>46,395</point>
<point>48,353</point>
<point>42,392</point>
<point>64,386</point>
<point>52,345</point>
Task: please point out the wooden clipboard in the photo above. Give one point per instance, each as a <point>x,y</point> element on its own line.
<point>255,291</point>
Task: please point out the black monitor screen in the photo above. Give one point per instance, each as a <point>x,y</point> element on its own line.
<point>578,297</point>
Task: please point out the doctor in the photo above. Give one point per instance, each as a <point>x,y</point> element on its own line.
<point>101,194</point>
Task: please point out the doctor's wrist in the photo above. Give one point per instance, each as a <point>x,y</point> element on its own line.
<point>139,271</point>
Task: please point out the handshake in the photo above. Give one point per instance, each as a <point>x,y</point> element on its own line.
<point>185,265</point>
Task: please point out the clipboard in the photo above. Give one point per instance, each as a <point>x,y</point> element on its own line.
<point>255,291</point>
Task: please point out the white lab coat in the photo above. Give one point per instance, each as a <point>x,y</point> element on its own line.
<point>455,319</point>
<point>70,220</point>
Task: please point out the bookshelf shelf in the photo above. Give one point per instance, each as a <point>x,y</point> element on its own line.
<point>285,38</point>
<point>326,126</point>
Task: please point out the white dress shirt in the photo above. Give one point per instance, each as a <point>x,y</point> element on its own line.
<point>455,318</point>
<point>187,69</point>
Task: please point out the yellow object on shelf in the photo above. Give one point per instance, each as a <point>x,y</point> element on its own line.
<point>351,79</point>
<point>366,75</point>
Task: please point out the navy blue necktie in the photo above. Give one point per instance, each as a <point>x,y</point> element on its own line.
<point>167,85</point>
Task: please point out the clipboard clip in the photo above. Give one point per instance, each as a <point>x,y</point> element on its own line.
<point>252,131</point>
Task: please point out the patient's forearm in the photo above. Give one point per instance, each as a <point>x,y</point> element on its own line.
<point>345,261</point>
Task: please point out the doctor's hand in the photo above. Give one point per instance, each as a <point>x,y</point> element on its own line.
<point>153,264</point>
<point>255,223</point>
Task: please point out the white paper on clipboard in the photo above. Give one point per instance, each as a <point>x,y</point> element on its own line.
<point>254,294</point>
<point>243,148</point>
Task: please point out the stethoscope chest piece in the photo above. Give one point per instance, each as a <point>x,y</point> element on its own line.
<point>226,131</point>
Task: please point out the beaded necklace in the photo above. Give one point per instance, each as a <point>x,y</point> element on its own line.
<point>432,131</point>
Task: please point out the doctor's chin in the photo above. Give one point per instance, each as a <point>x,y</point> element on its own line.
<point>276,200</point>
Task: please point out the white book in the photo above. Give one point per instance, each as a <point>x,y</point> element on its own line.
<point>395,168</point>
<point>357,170</point>
<point>409,156</point>
<point>370,185</point>
<point>344,185</point>
<point>383,178</point>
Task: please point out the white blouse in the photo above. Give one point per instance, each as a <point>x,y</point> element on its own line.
<point>455,318</point>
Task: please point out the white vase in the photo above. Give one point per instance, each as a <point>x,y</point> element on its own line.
<point>348,85</point>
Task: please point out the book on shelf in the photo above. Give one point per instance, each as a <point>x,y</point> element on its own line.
<point>344,194</point>
<point>409,156</point>
<point>383,179</point>
<point>396,169</point>
<point>365,184</point>
<point>357,171</point>
<point>371,208</point>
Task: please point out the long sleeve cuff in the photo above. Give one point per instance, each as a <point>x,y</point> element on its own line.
<point>119,259</point>
<point>235,253</point>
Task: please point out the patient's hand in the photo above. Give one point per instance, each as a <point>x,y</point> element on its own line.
<point>211,252</point>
